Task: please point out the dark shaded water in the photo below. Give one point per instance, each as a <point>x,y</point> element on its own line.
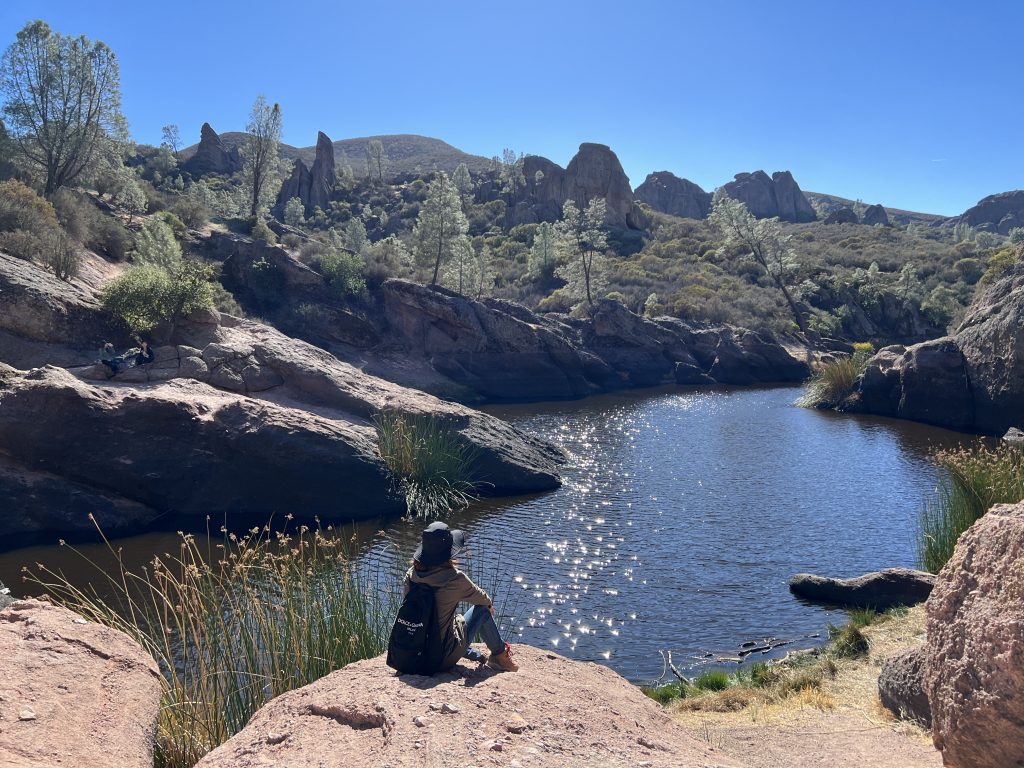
<point>682,516</point>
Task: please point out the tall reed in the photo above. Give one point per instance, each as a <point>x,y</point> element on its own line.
<point>975,478</point>
<point>235,622</point>
<point>432,466</point>
<point>834,382</point>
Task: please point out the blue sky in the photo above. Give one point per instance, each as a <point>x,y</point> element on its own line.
<point>913,104</point>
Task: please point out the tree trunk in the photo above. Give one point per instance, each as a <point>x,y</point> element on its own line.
<point>797,314</point>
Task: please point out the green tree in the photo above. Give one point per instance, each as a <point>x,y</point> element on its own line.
<point>294,212</point>
<point>171,138</point>
<point>144,296</point>
<point>259,153</point>
<point>464,183</point>
<point>343,172</point>
<point>461,271</point>
<point>355,235</point>
<point>376,160</point>
<point>1017,235</point>
<point>512,179</point>
<point>763,240</point>
<point>129,197</point>
<point>582,241</point>
<point>441,227</point>
<point>543,256</point>
<point>62,102</point>
<point>344,272</point>
<point>157,246</point>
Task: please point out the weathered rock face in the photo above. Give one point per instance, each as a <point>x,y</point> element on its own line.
<point>593,172</point>
<point>766,197</point>
<point>73,692</point>
<point>667,193</point>
<point>997,213</point>
<point>901,686</point>
<point>973,380</point>
<point>502,350</point>
<point>875,214</point>
<point>880,590</point>
<point>364,716</point>
<point>975,648</point>
<point>313,186</point>
<point>842,215</point>
<point>211,156</point>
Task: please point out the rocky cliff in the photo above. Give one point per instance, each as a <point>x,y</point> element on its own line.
<point>996,213</point>
<point>313,186</point>
<point>212,156</point>
<point>501,350</point>
<point>973,380</point>
<point>766,197</point>
<point>667,193</point>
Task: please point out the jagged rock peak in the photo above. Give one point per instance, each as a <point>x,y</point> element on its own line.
<point>211,156</point>
<point>322,173</point>
<point>766,197</point>
<point>667,193</point>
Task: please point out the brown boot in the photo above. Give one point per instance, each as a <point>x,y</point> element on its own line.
<point>503,661</point>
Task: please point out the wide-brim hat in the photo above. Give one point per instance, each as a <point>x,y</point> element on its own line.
<point>439,544</point>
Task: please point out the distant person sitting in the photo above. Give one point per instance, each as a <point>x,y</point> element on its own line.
<point>110,359</point>
<point>145,354</point>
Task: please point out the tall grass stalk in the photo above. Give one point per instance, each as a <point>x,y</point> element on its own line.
<point>235,622</point>
<point>834,382</point>
<point>975,479</point>
<point>432,466</point>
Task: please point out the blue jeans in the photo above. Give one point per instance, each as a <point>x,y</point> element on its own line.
<point>479,620</point>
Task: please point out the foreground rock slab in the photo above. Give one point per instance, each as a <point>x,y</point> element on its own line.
<point>879,589</point>
<point>554,712</point>
<point>901,686</point>
<point>73,693</point>
<point>975,650</point>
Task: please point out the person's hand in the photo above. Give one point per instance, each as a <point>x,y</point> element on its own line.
<point>491,608</point>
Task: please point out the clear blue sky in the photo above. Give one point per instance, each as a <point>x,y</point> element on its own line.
<point>914,104</point>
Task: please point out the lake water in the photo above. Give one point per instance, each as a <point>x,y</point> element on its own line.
<point>682,516</point>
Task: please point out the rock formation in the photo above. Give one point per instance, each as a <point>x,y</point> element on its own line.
<point>768,197</point>
<point>73,693</point>
<point>313,186</point>
<point>875,214</point>
<point>593,172</point>
<point>211,156</point>
<point>667,193</point>
<point>973,380</point>
<point>553,713</point>
<point>974,674</point>
<point>879,590</point>
<point>499,349</point>
<point>901,686</point>
<point>996,213</point>
<point>842,215</point>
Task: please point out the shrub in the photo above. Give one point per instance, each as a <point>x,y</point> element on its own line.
<point>974,479</point>
<point>146,295</point>
<point>260,231</point>
<point>713,680</point>
<point>430,464</point>
<point>111,239</point>
<point>60,254</point>
<point>21,208</point>
<point>294,212</point>
<point>170,219</point>
<point>344,272</point>
<point>847,642</point>
<point>833,383</point>
<point>193,213</point>
<point>157,246</point>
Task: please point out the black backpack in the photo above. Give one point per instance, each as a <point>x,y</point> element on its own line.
<point>416,643</point>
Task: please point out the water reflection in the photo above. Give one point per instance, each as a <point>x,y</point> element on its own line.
<point>682,516</point>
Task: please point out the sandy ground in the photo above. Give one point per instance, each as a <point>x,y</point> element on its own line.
<point>841,726</point>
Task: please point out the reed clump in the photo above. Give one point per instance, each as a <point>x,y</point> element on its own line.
<point>833,383</point>
<point>236,621</point>
<point>974,479</point>
<point>430,464</point>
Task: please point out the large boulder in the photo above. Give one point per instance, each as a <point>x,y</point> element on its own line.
<point>73,692</point>
<point>973,380</point>
<point>553,713</point>
<point>667,193</point>
<point>296,185</point>
<point>975,648</point>
<point>875,214</point>
<point>901,686</point>
<point>996,213</point>
<point>844,214</point>
<point>879,590</point>
<point>766,197</point>
<point>211,156</point>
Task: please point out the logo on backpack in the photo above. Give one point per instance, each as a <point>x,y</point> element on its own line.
<point>416,645</point>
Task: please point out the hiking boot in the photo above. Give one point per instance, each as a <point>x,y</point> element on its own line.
<point>503,661</point>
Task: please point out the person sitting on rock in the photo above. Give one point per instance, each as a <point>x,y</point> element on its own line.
<point>110,359</point>
<point>145,354</point>
<point>433,564</point>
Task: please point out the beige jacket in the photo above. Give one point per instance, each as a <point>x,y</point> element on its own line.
<point>453,587</point>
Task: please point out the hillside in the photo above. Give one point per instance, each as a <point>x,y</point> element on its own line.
<point>830,203</point>
<point>406,153</point>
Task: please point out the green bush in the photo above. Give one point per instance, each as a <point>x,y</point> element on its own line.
<point>157,246</point>
<point>260,231</point>
<point>834,382</point>
<point>974,480</point>
<point>145,296</point>
<point>344,272</point>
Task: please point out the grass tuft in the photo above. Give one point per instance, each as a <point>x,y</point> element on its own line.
<point>430,463</point>
<point>975,479</point>
<point>847,642</point>
<point>834,382</point>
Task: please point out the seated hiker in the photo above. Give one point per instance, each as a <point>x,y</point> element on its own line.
<point>145,354</point>
<point>110,359</point>
<point>434,566</point>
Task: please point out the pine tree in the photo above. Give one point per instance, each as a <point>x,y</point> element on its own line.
<point>441,227</point>
<point>582,240</point>
<point>543,256</point>
<point>259,153</point>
